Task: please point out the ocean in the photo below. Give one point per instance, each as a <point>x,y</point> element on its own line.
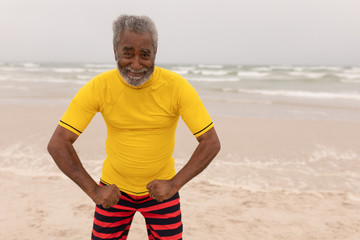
<point>298,92</point>
<point>255,92</point>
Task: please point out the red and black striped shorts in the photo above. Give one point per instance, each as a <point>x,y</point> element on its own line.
<point>163,219</point>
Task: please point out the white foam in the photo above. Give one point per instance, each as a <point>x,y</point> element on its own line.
<point>23,158</point>
<point>210,79</point>
<point>210,66</point>
<point>100,70</point>
<point>296,73</point>
<point>315,75</point>
<point>187,68</point>
<point>324,68</point>
<point>284,67</point>
<point>325,153</point>
<point>252,74</point>
<point>214,73</point>
<point>248,101</point>
<point>181,72</point>
<point>31,65</point>
<point>50,80</point>
<point>349,75</point>
<point>68,70</point>
<point>262,69</point>
<point>307,74</point>
<point>304,94</point>
<point>34,69</point>
<point>84,77</point>
<point>100,65</point>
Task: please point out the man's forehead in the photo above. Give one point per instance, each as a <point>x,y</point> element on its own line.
<point>130,39</point>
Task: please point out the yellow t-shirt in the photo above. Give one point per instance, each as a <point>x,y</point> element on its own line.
<point>141,123</point>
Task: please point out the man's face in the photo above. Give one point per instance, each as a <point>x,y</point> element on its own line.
<point>135,57</point>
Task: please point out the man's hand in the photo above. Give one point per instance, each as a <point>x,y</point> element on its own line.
<point>161,190</point>
<point>106,196</point>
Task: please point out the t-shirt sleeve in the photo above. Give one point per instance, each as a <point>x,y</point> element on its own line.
<point>81,110</point>
<point>193,111</point>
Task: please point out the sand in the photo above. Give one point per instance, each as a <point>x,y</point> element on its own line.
<point>49,206</point>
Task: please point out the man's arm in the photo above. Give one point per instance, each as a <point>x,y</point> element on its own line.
<point>209,146</point>
<point>62,151</point>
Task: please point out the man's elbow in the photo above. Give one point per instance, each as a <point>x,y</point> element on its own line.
<point>216,146</point>
<point>213,141</point>
<point>55,144</point>
<point>61,139</point>
<point>52,146</point>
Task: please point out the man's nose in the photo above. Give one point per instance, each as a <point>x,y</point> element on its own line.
<point>136,64</point>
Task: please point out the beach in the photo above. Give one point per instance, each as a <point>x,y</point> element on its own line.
<point>49,206</point>
<point>288,168</point>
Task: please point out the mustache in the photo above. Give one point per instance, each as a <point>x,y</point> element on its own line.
<point>142,70</point>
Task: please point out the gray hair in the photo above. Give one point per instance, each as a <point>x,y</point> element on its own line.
<point>138,24</point>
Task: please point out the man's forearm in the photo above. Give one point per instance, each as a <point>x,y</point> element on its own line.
<point>204,153</point>
<point>61,149</point>
<point>209,146</point>
<point>69,163</point>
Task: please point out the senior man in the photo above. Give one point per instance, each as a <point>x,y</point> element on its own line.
<point>141,105</point>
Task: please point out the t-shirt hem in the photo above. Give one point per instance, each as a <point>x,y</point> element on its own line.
<point>135,193</point>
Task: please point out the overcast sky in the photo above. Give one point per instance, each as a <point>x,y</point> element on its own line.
<point>287,32</point>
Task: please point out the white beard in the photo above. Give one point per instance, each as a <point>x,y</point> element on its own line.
<point>132,80</point>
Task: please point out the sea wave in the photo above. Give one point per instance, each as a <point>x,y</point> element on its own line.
<point>47,80</point>
<point>349,75</point>
<point>212,79</point>
<point>31,65</point>
<point>307,74</point>
<point>210,66</point>
<point>252,74</point>
<point>304,94</point>
<point>214,73</point>
<point>100,65</point>
<point>312,82</point>
<point>98,70</point>
<point>69,70</point>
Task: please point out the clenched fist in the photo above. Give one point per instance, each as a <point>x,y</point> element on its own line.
<point>106,196</point>
<point>161,190</point>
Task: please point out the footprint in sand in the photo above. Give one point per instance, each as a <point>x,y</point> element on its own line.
<point>83,209</point>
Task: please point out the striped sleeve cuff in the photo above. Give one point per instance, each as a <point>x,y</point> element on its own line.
<point>204,130</point>
<point>69,127</point>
